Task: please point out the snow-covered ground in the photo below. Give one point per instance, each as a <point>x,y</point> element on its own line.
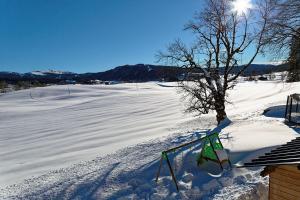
<point>104,142</point>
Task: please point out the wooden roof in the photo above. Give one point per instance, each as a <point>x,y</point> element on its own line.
<point>286,154</point>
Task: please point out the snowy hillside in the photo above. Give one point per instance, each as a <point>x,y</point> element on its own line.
<point>104,141</point>
<point>50,71</point>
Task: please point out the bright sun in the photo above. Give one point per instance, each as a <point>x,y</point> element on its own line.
<point>241,6</point>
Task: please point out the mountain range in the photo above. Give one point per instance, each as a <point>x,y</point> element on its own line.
<point>125,73</point>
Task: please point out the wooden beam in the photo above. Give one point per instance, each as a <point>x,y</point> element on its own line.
<point>172,173</point>
<point>286,107</point>
<point>290,111</point>
<point>160,165</point>
<point>185,144</point>
<point>212,146</point>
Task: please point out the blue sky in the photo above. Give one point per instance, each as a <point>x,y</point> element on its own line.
<point>90,35</point>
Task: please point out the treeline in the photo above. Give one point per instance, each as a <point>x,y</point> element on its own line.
<point>19,85</point>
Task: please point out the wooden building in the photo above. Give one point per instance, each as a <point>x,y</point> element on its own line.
<point>283,167</point>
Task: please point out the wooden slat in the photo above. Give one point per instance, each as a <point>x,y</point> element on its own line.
<point>286,190</point>
<point>267,164</point>
<point>276,161</point>
<point>291,143</point>
<point>285,178</point>
<point>288,147</point>
<point>294,142</point>
<point>273,157</point>
<point>287,173</point>
<point>292,173</point>
<point>285,184</point>
<point>280,195</point>
<point>288,153</point>
<point>295,139</point>
<point>294,158</point>
<point>283,153</point>
<point>293,146</point>
<point>288,160</point>
<point>283,150</point>
<point>275,197</point>
<point>290,167</point>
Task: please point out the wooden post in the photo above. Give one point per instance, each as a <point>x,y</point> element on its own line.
<point>215,153</point>
<point>224,149</point>
<point>290,111</point>
<point>164,155</point>
<point>160,164</point>
<point>220,142</point>
<point>229,163</point>
<point>172,173</point>
<point>185,144</point>
<point>286,107</point>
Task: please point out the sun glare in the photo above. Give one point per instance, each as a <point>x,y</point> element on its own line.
<point>241,6</point>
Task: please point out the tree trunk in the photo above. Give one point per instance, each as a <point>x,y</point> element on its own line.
<point>221,115</point>
<point>220,109</point>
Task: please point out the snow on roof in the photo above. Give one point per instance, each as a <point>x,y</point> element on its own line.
<point>286,154</point>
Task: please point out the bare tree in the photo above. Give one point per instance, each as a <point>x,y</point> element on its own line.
<point>222,35</point>
<point>284,34</point>
<point>283,25</point>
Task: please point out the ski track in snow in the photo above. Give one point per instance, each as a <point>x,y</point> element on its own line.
<point>128,173</point>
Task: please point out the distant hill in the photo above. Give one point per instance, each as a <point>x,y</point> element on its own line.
<point>260,69</point>
<point>136,73</point>
<point>44,77</point>
<point>126,73</point>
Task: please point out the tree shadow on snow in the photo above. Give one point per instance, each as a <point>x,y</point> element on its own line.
<point>122,181</point>
<point>279,112</point>
<point>275,111</point>
<point>88,188</point>
<point>78,187</point>
<point>141,184</point>
<point>130,173</point>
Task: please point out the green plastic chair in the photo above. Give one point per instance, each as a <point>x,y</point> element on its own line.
<point>212,149</point>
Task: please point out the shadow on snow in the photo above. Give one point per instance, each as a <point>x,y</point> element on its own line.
<point>279,112</point>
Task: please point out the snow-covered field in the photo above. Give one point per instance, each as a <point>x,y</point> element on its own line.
<point>104,142</point>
